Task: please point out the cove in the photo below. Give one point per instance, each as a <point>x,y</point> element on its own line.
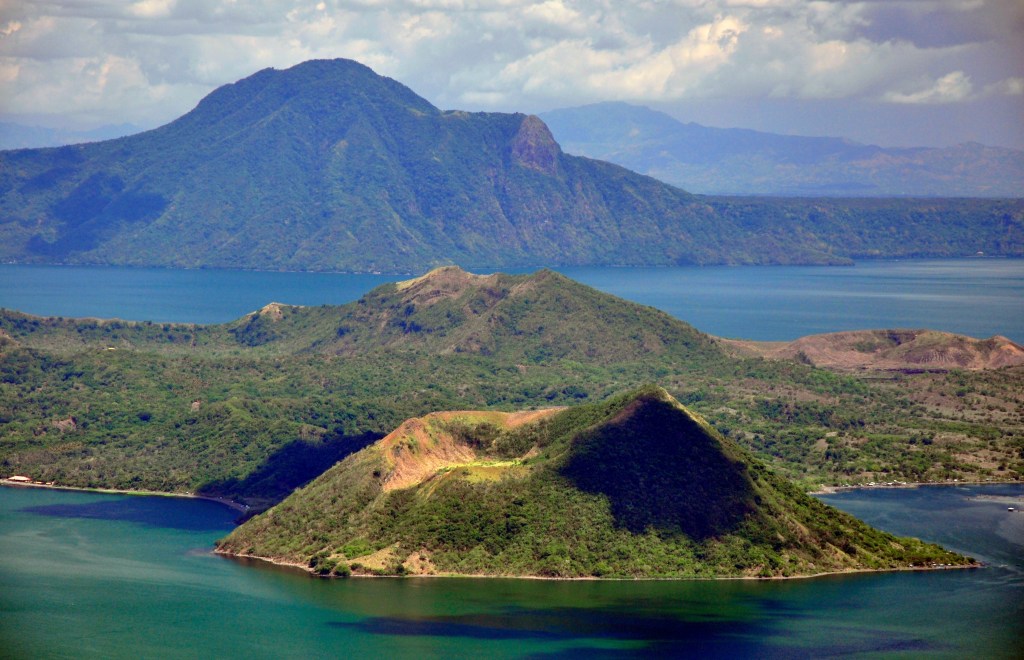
<point>89,575</point>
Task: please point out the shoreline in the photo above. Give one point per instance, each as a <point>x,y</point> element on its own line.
<point>281,563</point>
<point>241,508</point>
<point>291,565</point>
<point>896,485</point>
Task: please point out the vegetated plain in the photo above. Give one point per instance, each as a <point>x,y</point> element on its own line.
<point>328,166</point>
<point>636,486</point>
<point>254,408</point>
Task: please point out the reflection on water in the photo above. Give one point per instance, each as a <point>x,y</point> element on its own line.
<point>155,511</point>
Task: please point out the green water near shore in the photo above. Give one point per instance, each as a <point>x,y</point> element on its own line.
<point>88,575</point>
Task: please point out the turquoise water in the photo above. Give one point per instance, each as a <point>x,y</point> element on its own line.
<point>978,297</point>
<point>87,575</point>
<point>103,576</point>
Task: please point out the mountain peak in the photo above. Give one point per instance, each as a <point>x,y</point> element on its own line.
<point>440,275</point>
<point>439,284</point>
<point>329,166</point>
<point>635,486</point>
<point>273,310</point>
<point>663,467</point>
<point>324,97</point>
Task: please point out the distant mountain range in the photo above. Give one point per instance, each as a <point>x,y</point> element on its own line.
<point>709,160</point>
<point>20,136</point>
<point>329,166</point>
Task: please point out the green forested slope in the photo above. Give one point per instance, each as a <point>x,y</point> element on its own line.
<point>636,486</point>
<point>529,318</point>
<point>328,166</point>
<point>252,408</point>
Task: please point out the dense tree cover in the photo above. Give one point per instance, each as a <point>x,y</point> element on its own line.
<point>206,408</point>
<point>635,486</point>
<point>327,166</point>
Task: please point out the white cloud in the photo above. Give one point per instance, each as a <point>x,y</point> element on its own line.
<point>151,60</point>
<point>1007,87</point>
<point>950,88</point>
<point>553,12</point>
<point>151,8</point>
<point>86,87</point>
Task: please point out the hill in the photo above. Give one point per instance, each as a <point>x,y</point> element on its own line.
<point>528,319</point>
<point>889,350</point>
<point>253,408</point>
<point>733,161</point>
<point>637,486</point>
<point>328,166</point>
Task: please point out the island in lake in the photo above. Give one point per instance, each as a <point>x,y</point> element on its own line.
<point>287,408</point>
<point>633,487</point>
<point>252,409</point>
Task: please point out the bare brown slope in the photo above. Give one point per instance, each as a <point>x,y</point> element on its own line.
<point>889,350</point>
<point>422,446</point>
<point>633,486</point>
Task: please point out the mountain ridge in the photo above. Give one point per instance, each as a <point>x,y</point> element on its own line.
<point>328,166</point>
<point>739,161</point>
<point>889,350</point>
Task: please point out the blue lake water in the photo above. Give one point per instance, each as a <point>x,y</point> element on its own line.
<point>978,297</point>
<point>86,575</point>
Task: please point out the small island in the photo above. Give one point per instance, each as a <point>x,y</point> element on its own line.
<point>634,487</point>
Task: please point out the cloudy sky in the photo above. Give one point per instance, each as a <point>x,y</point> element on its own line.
<point>928,72</point>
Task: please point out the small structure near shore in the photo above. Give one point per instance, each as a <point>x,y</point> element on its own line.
<point>20,479</point>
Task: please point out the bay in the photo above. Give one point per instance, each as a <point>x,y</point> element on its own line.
<point>88,575</point>
<point>977,297</point>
